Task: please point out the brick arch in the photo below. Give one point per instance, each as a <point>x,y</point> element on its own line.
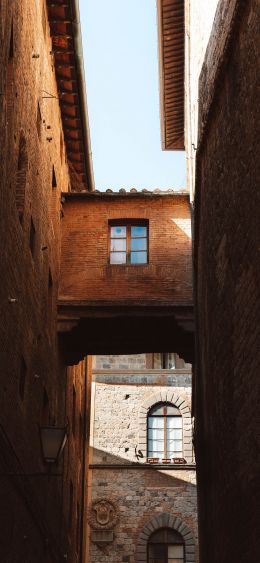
<point>168,396</point>
<point>165,520</point>
<point>21,174</point>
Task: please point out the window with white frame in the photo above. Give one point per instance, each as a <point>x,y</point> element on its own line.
<point>164,426</point>
<point>128,242</point>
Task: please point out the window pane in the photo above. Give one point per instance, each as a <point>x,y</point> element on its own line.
<point>174,422</point>
<point>118,232</point>
<point>155,422</point>
<point>172,410</point>
<point>177,452</point>
<point>174,444</point>
<point>158,409</point>
<point>175,551</point>
<point>155,434</point>
<point>138,231</point>
<point>118,244</point>
<point>173,434</point>
<point>156,444</point>
<point>117,258</point>
<point>138,244</point>
<point>138,257</point>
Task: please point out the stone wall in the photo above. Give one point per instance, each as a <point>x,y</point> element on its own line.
<point>136,361</point>
<point>139,491</point>
<point>227,288</point>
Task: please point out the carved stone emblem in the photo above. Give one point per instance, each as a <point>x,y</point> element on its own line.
<point>103,514</point>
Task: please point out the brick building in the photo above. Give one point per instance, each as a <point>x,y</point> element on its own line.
<point>88,273</point>
<point>150,494</point>
<point>38,511</point>
<point>217,51</point>
<point>127,300</point>
<point>46,156</point>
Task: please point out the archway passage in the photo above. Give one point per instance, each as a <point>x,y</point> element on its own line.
<point>100,329</point>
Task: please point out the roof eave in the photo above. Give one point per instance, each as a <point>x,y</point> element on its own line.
<point>171,83</point>
<point>67,49</point>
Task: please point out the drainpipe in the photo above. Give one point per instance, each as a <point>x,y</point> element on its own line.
<point>82,90</point>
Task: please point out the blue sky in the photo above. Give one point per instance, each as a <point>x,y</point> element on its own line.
<point>121,68</point>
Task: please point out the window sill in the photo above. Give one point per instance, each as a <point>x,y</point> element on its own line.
<point>144,465</point>
<point>176,461</point>
<point>127,265</point>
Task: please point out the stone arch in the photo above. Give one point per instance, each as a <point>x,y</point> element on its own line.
<point>165,520</point>
<point>169,396</point>
<point>21,174</point>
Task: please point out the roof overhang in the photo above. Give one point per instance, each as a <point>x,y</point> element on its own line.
<point>171,40</point>
<point>68,58</point>
<point>124,195</point>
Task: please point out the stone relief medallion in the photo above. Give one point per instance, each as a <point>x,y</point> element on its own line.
<point>103,514</point>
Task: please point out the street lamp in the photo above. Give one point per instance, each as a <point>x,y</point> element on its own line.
<point>53,440</point>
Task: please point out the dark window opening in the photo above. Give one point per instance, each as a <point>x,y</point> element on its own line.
<point>22,378</point>
<point>50,294</point>
<point>32,238</point>
<point>39,121</point>
<point>78,528</point>
<point>164,432</point>
<point>165,546</point>
<point>168,360</point>
<point>10,80</point>
<point>70,506</point>
<point>54,181</point>
<point>11,44</point>
<point>81,434</point>
<point>128,242</point>
<point>74,411</point>
<point>21,175</point>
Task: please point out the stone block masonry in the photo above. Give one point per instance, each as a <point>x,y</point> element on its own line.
<point>146,498</point>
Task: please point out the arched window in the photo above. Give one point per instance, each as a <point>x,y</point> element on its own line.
<point>164,432</point>
<point>165,546</point>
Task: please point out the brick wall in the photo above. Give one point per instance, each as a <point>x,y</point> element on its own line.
<point>227,289</point>
<point>33,378</point>
<point>86,273</point>
<point>143,493</point>
<point>199,17</point>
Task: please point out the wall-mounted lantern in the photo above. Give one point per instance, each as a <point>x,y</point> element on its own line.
<point>53,440</point>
